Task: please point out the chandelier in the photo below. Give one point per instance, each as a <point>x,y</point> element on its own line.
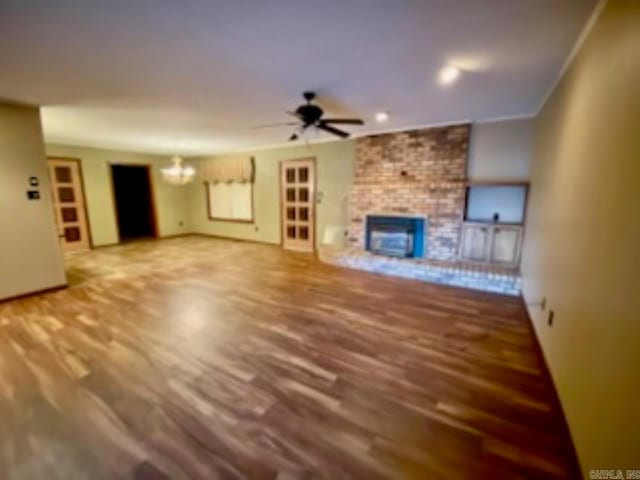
<point>177,174</point>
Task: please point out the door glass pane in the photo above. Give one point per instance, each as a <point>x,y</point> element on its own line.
<point>291,194</point>
<point>63,174</point>
<point>65,194</point>
<point>303,175</point>
<point>291,213</point>
<point>303,233</point>
<point>69,214</point>
<point>291,231</point>
<point>303,214</point>
<point>72,234</point>
<point>291,175</point>
<point>303,194</point>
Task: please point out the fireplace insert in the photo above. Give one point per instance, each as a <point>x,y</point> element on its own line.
<point>395,236</point>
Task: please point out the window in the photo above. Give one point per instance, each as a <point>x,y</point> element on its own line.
<point>232,201</point>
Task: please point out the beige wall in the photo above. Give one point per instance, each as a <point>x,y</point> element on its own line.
<point>334,162</point>
<point>171,201</point>
<point>582,249</point>
<point>30,255</point>
<point>501,150</point>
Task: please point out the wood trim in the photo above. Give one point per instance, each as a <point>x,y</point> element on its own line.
<point>84,195</point>
<point>36,292</point>
<point>234,239</point>
<point>498,183</point>
<point>107,245</point>
<point>175,235</point>
<point>280,204</point>
<point>315,204</point>
<point>152,199</point>
<point>114,205</point>
<point>490,222</point>
<point>313,196</point>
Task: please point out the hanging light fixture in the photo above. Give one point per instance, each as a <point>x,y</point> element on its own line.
<point>178,174</point>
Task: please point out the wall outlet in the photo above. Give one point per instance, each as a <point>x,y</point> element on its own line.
<point>550,319</point>
<point>256,228</point>
<point>181,223</point>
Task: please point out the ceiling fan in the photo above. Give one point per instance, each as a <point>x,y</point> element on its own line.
<point>310,115</point>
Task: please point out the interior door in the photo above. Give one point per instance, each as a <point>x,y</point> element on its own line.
<point>297,186</point>
<point>68,204</point>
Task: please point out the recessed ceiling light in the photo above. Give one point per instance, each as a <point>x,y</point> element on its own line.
<point>448,75</point>
<point>382,117</point>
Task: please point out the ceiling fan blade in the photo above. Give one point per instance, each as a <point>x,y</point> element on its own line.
<point>294,114</point>
<point>330,129</point>
<point>343,121</point>
<point>270,125</point>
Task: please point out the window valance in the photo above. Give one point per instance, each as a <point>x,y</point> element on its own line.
<point>231,169</point>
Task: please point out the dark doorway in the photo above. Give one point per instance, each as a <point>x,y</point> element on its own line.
<point>133,195</point>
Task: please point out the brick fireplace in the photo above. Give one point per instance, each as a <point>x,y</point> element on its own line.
<point>418,173</point>
<point>412,185</point>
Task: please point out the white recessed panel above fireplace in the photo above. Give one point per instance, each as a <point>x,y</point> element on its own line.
<point>496,203</point>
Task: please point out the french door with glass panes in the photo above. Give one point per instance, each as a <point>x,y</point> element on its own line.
<point>68,204</point>
<point>297,186</point>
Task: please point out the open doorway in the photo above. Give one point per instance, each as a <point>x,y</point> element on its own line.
<point>133,198</point>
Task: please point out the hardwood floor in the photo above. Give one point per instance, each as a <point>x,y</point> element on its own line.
<point>199,358</point>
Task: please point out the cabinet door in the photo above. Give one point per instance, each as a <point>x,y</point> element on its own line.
<point>475,242</point>
<point>505,247</point>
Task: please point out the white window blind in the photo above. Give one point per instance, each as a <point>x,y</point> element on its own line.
<point>230,201</point>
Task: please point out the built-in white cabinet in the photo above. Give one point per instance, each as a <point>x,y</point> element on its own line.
<point>493,222</point>
<point>494,243</point>
<point>505,247</point>
<point>476,242</point>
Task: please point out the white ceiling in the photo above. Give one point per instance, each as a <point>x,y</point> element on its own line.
<point>194,76</point>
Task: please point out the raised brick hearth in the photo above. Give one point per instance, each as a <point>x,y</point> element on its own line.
<point>477,276</point>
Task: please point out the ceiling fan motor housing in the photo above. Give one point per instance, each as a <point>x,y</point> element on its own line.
<point>309,114</point>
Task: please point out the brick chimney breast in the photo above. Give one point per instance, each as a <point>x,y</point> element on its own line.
<point>415,173</point>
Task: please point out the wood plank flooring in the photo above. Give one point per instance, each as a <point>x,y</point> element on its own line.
<point>200,358</point>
